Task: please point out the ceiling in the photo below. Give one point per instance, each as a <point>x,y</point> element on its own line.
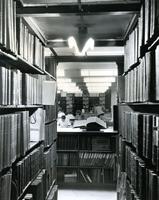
<point>107,22</point>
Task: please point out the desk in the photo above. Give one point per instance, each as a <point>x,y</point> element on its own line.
<point>86,157</point>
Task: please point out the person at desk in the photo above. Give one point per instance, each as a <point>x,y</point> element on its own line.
<point>100,113</point>
<point>70,119</point>
<point>62,122</point>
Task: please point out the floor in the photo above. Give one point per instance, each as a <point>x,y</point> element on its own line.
<point>77,194</point>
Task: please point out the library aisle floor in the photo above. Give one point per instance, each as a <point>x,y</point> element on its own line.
<point>77,194</point>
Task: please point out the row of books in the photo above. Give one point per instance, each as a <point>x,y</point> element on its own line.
<point>69,102</point>
<point>142,131</point>
<point>144,180</point>
<point>131,49</point>
<point>147,27</point>
<point>151,19</point>
<point>50,158</point>
<point>26,170</point>
<point>97,159</point>
<point>32,89</point>
<point>96,176</point>
<point>66,142</point>
<point>102,99</point>
<point>50,65</point>
<point>8,24</point>
<point>29,46</point>
<point>85,102</point>
<point>18,88</point>
<point>15,137</point>
<point>5,186</point>
<point>67,159</point>
<point>11,86</point>
<point>130,193</point>
<point>98,143</point>
<point>50,133</point>
<point>50,113</point>
<point>38,191</point>
<point>141,83</point>
<point>38,188</point>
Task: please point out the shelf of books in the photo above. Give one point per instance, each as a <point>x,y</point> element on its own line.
<point>86,158</point>
<point>27,119</point>
<point>138,155</point>
<point>69,102</point>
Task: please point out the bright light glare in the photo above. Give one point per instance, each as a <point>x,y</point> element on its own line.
<point>71,90</point>
<point>99,80</point>
<point>66,86</point>
<point>60,73</point>
<point>97,87</point>
<point>98,84</point>
<point>99,72</point>
<point>89,45</point>
<point>97,91</point>
<point>73,44</point>
<point>63,80</point>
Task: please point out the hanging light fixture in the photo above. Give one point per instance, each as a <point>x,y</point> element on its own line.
<point>82,43</point>
<point>89,45</point>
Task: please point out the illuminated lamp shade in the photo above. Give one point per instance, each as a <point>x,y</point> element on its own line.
<point>98,84</point>
<point>99,72</point>
<point>99,79</point>
<point>89,45</point>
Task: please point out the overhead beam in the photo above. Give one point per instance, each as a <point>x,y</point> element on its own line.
<point>114,58</point>
<point>98,43</point>
<point>87,9</point>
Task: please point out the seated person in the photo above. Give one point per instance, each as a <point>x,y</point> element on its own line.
<point>78,115</point>
<point>61,121</point>
<point>98,110</point>
<point>70,119</point>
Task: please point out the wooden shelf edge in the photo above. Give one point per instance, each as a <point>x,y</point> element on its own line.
<point>20,106</point>
<point>83,167</point>
<point>49,122</point>
<point>131,68</point>
<point>51,76</point>
<point>30,67</point>
<point>140,104</point>
<point>26,187</point>
<point>51,187</point>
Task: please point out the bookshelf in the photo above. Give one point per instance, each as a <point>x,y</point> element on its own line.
<point>86,158</point>
<point>27,124</point>
<point>138,168</point>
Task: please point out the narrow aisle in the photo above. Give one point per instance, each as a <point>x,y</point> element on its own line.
<point>72,194</point>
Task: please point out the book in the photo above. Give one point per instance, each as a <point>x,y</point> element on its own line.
<point>49,92</point>
<point>30,47</point>
<point>50,159</point>
<point>7,25</point>
<point>37,125</point>
<point>143,180</point>
<point>92,123</point>
<point>53,193</point>
<point>50,113</point>
<point>5,186</point>
<point>28,197</point>
<point>26,170</point>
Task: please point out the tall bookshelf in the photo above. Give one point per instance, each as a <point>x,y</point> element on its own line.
<point>138,156</point>
<point>86,158</point>
<point>69,102</point>
<point>27,125</point>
